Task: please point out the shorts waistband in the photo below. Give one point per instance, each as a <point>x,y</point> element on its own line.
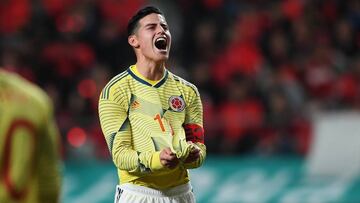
<point>175,191</point>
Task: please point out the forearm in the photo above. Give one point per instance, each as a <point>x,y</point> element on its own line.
<point>195,134</point>
<point>49,164</point>
<point>134,162</point>
<point>125,158</point>
<point>50,191</point>
<point>49,182</point>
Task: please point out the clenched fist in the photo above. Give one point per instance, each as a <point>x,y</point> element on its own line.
<point>168,158</point>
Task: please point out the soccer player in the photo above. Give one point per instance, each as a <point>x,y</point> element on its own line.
<point>29,143</point>
<point>152,119</point>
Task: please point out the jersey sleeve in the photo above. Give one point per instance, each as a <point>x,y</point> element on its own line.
<point>49,160</point>
<point>193,126</point>
<point>113,113</point>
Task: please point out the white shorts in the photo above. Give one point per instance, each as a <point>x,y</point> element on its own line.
<point>130,193</point>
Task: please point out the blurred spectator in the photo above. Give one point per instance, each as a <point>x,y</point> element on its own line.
<point>68,58</point>
<point>119,11</point>
<point>14,15</point>
<point>240,115</point>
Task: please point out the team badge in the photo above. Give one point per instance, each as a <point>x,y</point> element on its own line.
<point>177,103</point>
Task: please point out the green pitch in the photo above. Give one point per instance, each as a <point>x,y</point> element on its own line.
<point>225,180</point>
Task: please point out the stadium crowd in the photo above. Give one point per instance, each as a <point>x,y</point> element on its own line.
<point>263,68</point>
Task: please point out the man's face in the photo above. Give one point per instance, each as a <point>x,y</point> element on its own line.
<point>153,37</point>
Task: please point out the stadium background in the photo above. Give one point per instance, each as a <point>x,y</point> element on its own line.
<point>264,69</point>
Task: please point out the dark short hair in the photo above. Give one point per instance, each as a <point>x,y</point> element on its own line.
<point>133,22</point>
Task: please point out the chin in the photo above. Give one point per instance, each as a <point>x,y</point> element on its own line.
<point>161,58</point>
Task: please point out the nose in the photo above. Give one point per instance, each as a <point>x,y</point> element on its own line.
<point>160,29</point>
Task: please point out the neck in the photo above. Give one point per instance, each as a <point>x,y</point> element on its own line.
<point>150,69</point>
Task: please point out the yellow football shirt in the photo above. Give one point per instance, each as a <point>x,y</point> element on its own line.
<point>29,144</point>
<point>140,117</point>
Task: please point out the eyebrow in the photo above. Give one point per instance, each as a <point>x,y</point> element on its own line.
<point>150,24</point>
<point>154,24</point>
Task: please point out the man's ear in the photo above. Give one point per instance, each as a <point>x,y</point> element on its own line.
<point>132,40</point>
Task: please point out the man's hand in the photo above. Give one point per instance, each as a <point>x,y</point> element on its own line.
<point>194,153</point>
<point>168,158</point>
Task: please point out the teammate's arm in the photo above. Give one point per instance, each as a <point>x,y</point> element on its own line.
<point>117,131</point>
<point>194,131</point>
<point>49,161</point>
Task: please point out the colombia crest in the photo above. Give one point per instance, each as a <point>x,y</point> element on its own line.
<point>177,103</point>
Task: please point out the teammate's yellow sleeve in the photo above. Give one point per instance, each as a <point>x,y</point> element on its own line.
<point>193,126</point>
<point>49,170</point>
<point>117,131</point>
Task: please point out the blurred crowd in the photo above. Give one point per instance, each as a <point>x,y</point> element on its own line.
<point>263,67</point>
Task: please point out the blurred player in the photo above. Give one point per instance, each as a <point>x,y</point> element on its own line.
<point>29,143</point>
<point>152,119</point>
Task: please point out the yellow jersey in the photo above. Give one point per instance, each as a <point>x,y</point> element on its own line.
<point>29,143</point>
<point>140,117</point>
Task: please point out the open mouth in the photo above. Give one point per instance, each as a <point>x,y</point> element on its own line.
<point>161,43</point>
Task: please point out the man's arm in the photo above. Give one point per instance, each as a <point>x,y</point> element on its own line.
<point>194,132</point>
<point>117,131</point>
<point>49,161</point>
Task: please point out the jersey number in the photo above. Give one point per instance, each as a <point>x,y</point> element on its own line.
<point>158,118</point>
<point>15,193</point>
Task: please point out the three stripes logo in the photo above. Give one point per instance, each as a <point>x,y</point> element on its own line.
<point>106,90</point>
